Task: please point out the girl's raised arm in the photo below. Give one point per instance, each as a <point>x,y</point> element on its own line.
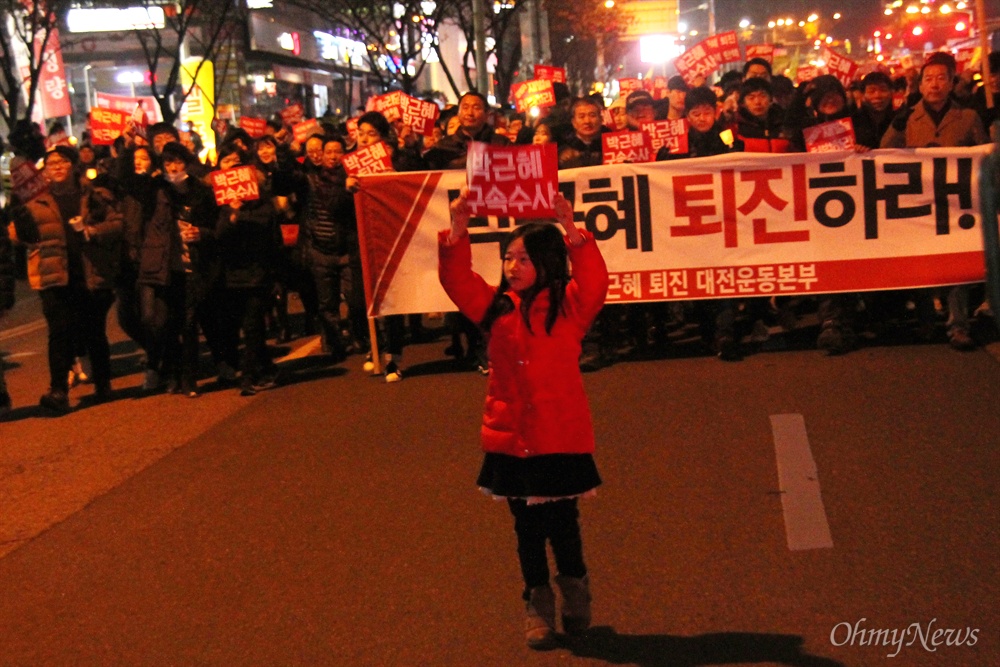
<point>459,217</point>
<point>564,213</point>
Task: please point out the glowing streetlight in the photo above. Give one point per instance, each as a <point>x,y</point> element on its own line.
<point>812,17</point>
<point>945,9</point>
<point>770,24</point>
<point>745,23</point>
<point>888,12</point>
<point>918,31</point>
<point>836,17</point>
<point>610,4</point>
<point>960,26</point>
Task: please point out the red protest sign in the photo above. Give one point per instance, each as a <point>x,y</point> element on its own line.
<point>670,133</point>
<point>725,46</point>
<point>626,86</point>
<point>807,73</point>
<point>837,135</point>
<point>253,126</point>
<point>26,181</point>
<point>236,184</point>
<point>417,114</point>
<point>519,181</point>
<point>705,57</point>
<point>292,114</point>
<point>840,66</point>
<point>305,129</point>
<point>658,87</point>
<point>365,161</point>
<point>59,138</point>
<point>765,51</point>
<point>534,93</point>
<point>627,146</point>
<point>106,125</point>
<point>550,73</point>
<point>965,57</point>
<point>388,105</point>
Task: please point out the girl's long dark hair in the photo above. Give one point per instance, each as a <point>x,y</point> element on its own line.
<point>547,251</point>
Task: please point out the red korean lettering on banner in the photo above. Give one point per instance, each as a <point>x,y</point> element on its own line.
<point>519,181</point>
<point>626,86</point>
<point>26,181</point>
<point>627,146</point>
<point>237,184</point>
<point>305,129</point>
<point>550,73</point>
<point>106,125</point>
<point>765,51</point>
<point>255,127</point>
<point>534,93</point>
<point>374,159</point>
<point>837,135</point>
<point>670,133</point>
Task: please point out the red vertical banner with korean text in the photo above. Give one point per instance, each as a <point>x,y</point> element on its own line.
<point>52,85</point>
<point>518,181</point>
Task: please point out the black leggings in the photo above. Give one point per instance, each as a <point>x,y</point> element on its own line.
<point>556,521</point>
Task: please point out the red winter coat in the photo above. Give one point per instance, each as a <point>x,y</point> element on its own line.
<point>535,402</point>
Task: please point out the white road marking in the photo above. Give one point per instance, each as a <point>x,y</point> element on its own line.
<point>23,330</point>
<point>806,526</point>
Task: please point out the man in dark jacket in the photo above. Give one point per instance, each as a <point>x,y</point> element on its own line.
<point>876,112</point>
<point>451,151</point>
<point>582,147</point>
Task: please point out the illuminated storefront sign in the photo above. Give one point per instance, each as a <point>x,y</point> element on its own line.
<point>112,20</point>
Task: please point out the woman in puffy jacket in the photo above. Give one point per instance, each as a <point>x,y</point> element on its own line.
<point>73,233</point>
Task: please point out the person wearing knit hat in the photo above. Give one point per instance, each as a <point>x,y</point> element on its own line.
<point>619,120</point>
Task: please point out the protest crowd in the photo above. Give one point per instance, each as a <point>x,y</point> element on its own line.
<point>197,257</point>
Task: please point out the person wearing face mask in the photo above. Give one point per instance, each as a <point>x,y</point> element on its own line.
<point>73,233</point>
<point>178,266</point>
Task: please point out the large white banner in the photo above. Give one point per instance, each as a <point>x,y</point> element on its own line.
<point>738,225</point>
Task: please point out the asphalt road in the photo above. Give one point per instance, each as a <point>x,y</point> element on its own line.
<point>335,521</point>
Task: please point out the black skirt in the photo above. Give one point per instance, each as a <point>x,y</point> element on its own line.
<point>548,476</point>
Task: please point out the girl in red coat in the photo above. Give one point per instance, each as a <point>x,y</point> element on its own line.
<point>536,432</point>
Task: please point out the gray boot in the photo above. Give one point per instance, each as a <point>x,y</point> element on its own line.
<point>576,604</point>
<point>540,622</point>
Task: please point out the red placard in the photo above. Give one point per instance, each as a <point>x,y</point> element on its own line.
<point>415,113</point>
<point>627,146</point>
<point>106,125</point>
<point>519,181</point>
<point>534,93</point>
<point>840,66</point>
<point>292,114</point>
<point>236,184</point>
<point>765,51</point>
<point>253,126</point>
<point>626,86</point>
<point>658,87</point>
<point>149,105</point>
<point>964,56</point>
<point>365,161</point>
<point>806,73</point>
<point>26,181</point>
<point>705,57</point>
<point>305,129</point>
<point>550,73</point>
<point>837,135</point>
<point>670,133</point>
<point>59,138</point>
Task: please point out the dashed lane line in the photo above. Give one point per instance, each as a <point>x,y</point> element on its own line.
<point>806,526</point>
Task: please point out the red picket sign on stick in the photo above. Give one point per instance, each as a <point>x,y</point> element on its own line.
<point>26,181</point>
<point>837,135</point>
<point>670,133</point>
<point>659,87</point>
<point>534,93</point>
<point>518,181</point>
<point>305,129</point>
<point>237,184</point>
<point>253,126</point>
<point>626,86</point>
<point>366,161</point>
<point>840,66</point>
<point>106,125</point>
<point>765,51</point>
<point>627,146</point>
<point>806,73</point>
<point>550,73</point>
<point>292,114</point>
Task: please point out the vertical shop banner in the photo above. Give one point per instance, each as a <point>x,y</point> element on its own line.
<point>199,107</point>
<point>517,181</point>
<point>236,184</point>
<point>627,146</point>
<point>739,225</point>
<point>837,135</point>
<point>52,85</point>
